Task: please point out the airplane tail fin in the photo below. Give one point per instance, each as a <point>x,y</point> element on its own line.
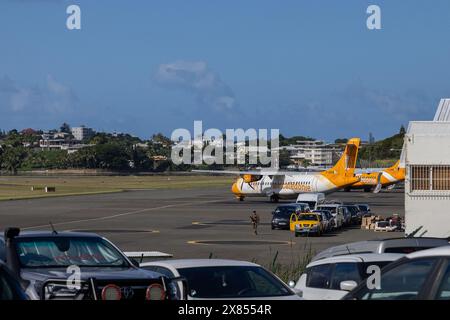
<point>347,163</point>
<point>396,171</point>
<point>395,166</point>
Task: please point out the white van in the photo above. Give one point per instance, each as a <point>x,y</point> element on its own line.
<point>337,211</point>
<point>323,279</point>
<point>312,199</point>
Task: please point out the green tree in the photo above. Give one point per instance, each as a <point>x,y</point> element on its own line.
<point>112,156</point>
<point>161,139</point>
<point>99,138</point>
<point>306,163</point>
<point>140,159</point>
<point>12,158</point>
<point>45,159</point>
<point>284,141</point>
<point>83,158</point>
<point>284,158</point>
<point>65,127</point>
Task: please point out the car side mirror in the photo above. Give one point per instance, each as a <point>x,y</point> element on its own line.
<point>348,285</point>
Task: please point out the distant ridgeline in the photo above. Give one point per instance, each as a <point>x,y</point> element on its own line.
<point>382,153</point>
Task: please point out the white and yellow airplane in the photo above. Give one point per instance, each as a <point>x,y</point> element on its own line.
<point>378,179</point>
<point>285,185</point>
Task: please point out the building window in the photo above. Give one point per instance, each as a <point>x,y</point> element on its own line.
<point>430,177</point>
<point>441,178</point>
<point>420,178</point>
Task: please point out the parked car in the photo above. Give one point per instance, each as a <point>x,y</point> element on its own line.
<point>392,245</point>
<point>355,214</point>
<point>224,279</point>
<point>364,208</point>
<point>307,223</point>
<point>45,261</point>
<point>10,288</point>
<point>327,219</point>
<point>338,214</point>
<point>422,275</point>
<point>282,214</point>
<point>321,279</point>
<point>312,199</point>
<point>347,216</point>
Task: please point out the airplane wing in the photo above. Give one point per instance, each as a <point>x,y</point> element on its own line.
<point>258,172</point>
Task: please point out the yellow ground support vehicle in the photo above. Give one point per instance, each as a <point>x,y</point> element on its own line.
<point>307,223</point>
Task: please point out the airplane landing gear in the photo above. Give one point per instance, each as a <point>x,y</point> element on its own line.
<point>241,198</point>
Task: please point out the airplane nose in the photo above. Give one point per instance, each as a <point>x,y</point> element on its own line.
<point>235,188</point>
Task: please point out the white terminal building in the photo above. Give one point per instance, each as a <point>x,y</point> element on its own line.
<point>82,133</point>
<point>426,155</point>
<point>316,152</point>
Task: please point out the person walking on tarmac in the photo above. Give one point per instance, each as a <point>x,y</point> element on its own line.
<point>254,218</point>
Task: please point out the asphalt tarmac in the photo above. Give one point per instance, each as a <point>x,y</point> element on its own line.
<point>191,223</point>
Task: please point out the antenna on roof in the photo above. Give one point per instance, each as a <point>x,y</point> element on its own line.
<point>349,252</point>
<point>53,228</point>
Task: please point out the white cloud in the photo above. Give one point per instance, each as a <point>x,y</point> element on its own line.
<point>195,76</point>
<point>401,106</point>
<point>48,98</point>
<point>20,99</point>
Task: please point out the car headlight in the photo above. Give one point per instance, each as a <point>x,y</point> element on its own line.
<point>155,292</point>
<point>111,292</point>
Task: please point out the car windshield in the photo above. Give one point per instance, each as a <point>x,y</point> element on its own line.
<point>311,204</point>
<point>67,251</point>
<point>309,217</point>
<point>232,282</point>
<point>284,211</point>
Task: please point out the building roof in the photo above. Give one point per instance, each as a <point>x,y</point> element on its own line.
<point>428,128</point>
<point>443,111</point>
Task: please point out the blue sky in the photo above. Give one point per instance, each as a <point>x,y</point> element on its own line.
<point>305,67</point>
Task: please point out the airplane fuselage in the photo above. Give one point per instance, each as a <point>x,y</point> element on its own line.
<point>284,186</point>
<point>385,177</point>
